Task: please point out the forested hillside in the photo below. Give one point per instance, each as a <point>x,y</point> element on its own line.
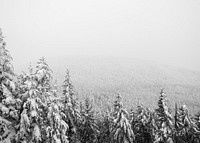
<point>137,80</point>
<point>93,106</point>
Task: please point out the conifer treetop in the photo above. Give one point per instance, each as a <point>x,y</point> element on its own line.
<point>6,67</point>
<point>118,103</point>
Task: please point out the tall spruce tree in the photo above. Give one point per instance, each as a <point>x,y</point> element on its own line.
<point>7,84</point>
<point>163,121</point>
<point>9,103</point>
<point>186,129</point>
<point>143,125</point>
<point>196,127</point>
<point>88,129</point>
<point>197,120</point>
<point>57,128</point>
<point>30,120</point>
<point>36,100</point>
<point>70,108</point>
<point>43,76</point>
<point>104,123</point>
<point>121,128</point>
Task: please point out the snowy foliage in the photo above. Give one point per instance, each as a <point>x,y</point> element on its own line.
<point>7,84</point>
<point>143,125</point>
<point>57,127</point>
<point>104,124</point>
<point>29,125</point>
<point>121,129</point>
<point>70,107</point>
<point>186,129</point>
<point>164,120</point>
<point>88,129</point>
<point>43,75</point>
<point>9,103</point>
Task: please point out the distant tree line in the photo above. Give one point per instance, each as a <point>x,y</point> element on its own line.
<point>32,110</point>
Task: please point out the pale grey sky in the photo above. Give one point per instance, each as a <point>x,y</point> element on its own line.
<point>158,30</point>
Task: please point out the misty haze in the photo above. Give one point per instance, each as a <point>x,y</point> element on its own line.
<point>108,71</point>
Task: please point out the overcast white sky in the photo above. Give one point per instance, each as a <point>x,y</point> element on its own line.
<point>165,31</point>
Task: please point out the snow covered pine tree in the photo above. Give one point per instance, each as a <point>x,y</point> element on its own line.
<point>88,129</point>
<point>186,129</point>
<point>104,124</point>
<point>44,78</point>
<point>143,124</point>
<point>9,104</point>
<point>57,129</point>
<point>121,129</point>
<point>163,121</point>
<point>70,108</point>
<point>30,120</point>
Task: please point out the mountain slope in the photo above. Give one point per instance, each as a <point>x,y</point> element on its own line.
<point>136,80</point>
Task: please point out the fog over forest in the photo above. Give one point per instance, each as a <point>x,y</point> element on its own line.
<point>108,71</point>
<point>161,31</point>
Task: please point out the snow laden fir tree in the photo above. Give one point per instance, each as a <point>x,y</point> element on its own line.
<point>88,127</point>
<point>9,103</point>
<point>33,109</point>
<point>69,108</point>
<point>143,124</point>
<point>164,120</point>
<point>186,129</point>
<point>121,129</point>
<point>30,120</point>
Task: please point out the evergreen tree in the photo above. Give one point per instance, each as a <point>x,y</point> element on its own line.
<point>197,120</point>
<point>104,126</point>
<point>57,127</point>
<point>163,121</point>
<point>7,84</point>
<point>186,129</point>
<point>70,108</point>
<point>88,127</point>
<point>196,128</point>
<point>121,128</point>
<point>30,120</point>
<point>43,76</point>
<point>9,102</point>
<point>143,125</point>
<point>68,89</point>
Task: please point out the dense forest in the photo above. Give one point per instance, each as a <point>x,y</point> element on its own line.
<point>34,109</point>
